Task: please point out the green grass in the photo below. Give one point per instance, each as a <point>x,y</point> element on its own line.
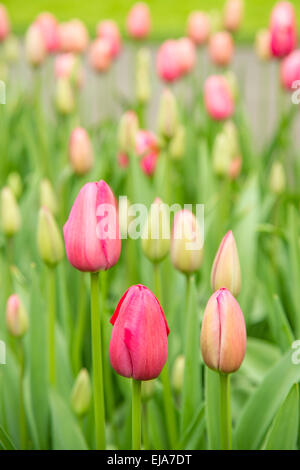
<point>169,16</point>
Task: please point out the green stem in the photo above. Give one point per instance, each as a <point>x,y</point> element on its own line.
<point>157,282</point>
<point>136,414</point>
<point>51,325</point>
<point>97,364</point>
<point>80,327</point>
<point>169,406</point>
<point>145,428</point>
<point>225,414</point>
<point>23,430</point>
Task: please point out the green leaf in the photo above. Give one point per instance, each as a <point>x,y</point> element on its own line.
<point>260,357</point>
<point>212,408</point>
<point>283,333</point>
<point>195,430</point>
<point>294,250</point>
<point>284,429</point>
<point>5,441</point>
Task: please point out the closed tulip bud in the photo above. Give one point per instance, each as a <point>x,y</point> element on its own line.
<point>50,31</point>
<point>100,55</point>
<point>290,70</point>
<point>233,14</point>
<point>226,271</point>
<point>186,54</point>
<point>198,27</point>
<point>148,389</point>
<point>73,36</point>
<point>221,48</point>
<point>218,98</point>
<point>65,100</point>
<point>168,115</point>
<point>223,333</point>
<point>10,213</point>
<point>35,48</point>
<point>11,49</point>
<point>156,233</point>
<point>82,393</point>
<point>143,85</point>
<point>14,181</point>
<point>139,341</point>
<point>128,129</point>
<point>16,316</point>
<point>263,44</point>
<point>139,21</point>
<point>48,197</point>
<point>221,155</point>
<point>277,178</point>
<point>283,29</point>
<point>50,244</point>
<point>186,242</point>
<point>109,30</point>
<point>80,151</point>
<point>4,23</point>
<point>168,62</point>
<point>92,236</point>
<point>178,143</point>
<point>178,373</point>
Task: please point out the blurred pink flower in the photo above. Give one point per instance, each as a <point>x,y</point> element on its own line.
<point>218,97</point>
<point>186,54</point>
<point>100,55</point>
<point>139,21</point>
<point>221,48</point>
<point>49,28</point>
<point>35,47</point>
<point>147,149</point>
<point>73,36</point>
<point>283,29</point>
<point>290,69</point>
<point>67,65</point>
<point>233,14</point>
<point>109,30</point>
<point>198,27</point>
<point>80,151</point>
<point>167,61</point>
<point>4,23</point>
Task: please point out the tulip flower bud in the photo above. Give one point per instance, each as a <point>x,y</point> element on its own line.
<point>35,48</point>
<point>100,55</point>
<point>139,341</point>
<point>178,373</point>
<point>277,178</point>
<point>178,143</point>
<point>11,49</point>
<point>128,128</point>
<point>14,181</point>
<point>263,44</point>
<point>50,245</point>
<point>148,389</point>
<point>65,101</point>
<point>221,48</point>
<point>50,31</point>
<point>4,23</point>
<point>167,61</point>
<point>48,197</point>
<point>233,14</point>
<point>109,30</point>
<point>221,155</point>
<point>283,29</point>
<point>143,86</point>
<point>290,70</point>
<point>10,213</point>
<point>198,27</point>
<point>92,236</point>
<point>16,316</point>
<point>218,98</point>
<point>167,115</point>
<point>186,242</point>
<point>223,333</point>
<point>80,151</point>
<point>73,36</point>
<point>226,271</point>
<point>156,233</point>
<point>82,393</point>
<point>139,21</point>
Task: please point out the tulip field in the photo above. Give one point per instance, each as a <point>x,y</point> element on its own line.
<point>150,227</point>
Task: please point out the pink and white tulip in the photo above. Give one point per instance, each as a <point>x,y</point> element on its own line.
<point>80,151</point>
<point>109,30</point>
<point>49,28</point>
<point>73,36</point>
<point>283,29</point>
<point>226,271</point>
<point>100,55</point>
<point>218,98</point>
<point>35,47</point>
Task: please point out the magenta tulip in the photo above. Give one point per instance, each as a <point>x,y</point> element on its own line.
<point>283,29</point>
<point>218,98</point>
<point>139,21</point>
<point>139,342</point>
<point>290,70</point>
<point>92,236</point>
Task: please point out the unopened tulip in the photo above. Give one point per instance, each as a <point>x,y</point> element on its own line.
<point>168,120</point>
<point>69,66</point>
<point>167,61</point>
<point>80,151</point>
<point>16,316</point>
<point>283,29</point>
<point>186,54</point>
<point>109,30</point>
<point>221,155</point>
<point>290,70</point>
<point>64,96</point>
<point>178,373</point>
<point>100,55</point>
<point>178,143</point>
<point>139,341</point>
<point>49,239</point>
<point>156,233</point>
<point>186,242</point>
<point>92,236</point>
<point>221,48</point>
<point>223,333</point>
<point>233,14</point>
<point>14,181</point>
<point>218,98</point>
<point>148,163</point>
<point>263,44</point>
<point>35,47</point>
<point>143,82</point>
<point>10,212</point>
<point>48,197</point>
<point>139,21</point>
<point>49,28</point>
<point>277,178</point>
<point>198,27</point>
<point>128,129</point>
<point>226,271</point>
<point>73,36</point>
<point>81,393</point>
<point>11,49</point>
<point>4,23</point>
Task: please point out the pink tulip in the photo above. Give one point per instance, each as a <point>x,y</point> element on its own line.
<point>233,14</point>
<point>35,47</point>
<point>68,66</point>
<point>73,36</point>
<point>139,341</point>
<point>92,236</point>
<point>290,70</point>
<point>223,334</point>
<point>221,48</point>
<point>198,28</point>
<point>283,29</point>
<point>109,30</point>
<point>139,21</point>
<point>226,271</point>
<point>4,23</point>
<point>49,28</point>
<point>16,316</point>
<point>100,55</point>
<point>218,98</point>
<point>187,55</point>
<point>146,147</point>
<point>167,61</point>
<point>80,151</point>
<point>148,163</point>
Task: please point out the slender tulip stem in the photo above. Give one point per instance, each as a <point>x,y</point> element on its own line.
<point>97,364</point>
<point>136,414</point>
<point>80,326</point>
<point>51,325</point>
<point>225,413</point>
<point>23,429</point>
